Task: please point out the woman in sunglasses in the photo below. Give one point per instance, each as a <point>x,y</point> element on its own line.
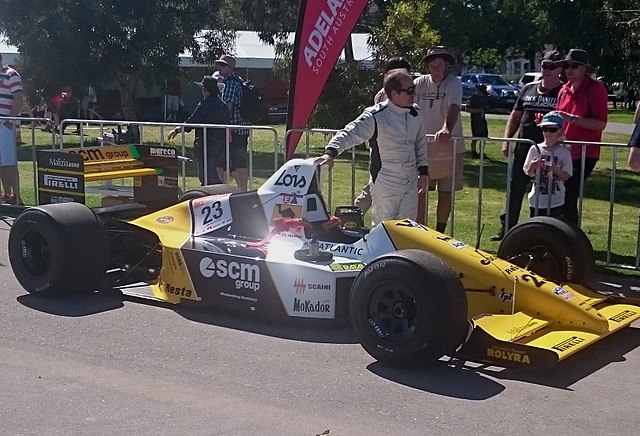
<point>582,103</point>
<point>550,163</point>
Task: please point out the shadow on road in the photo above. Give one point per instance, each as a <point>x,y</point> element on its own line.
<point>442,378</point>
<point>467,380</point>
<point>609,350</point>
<point>297,329</point>
<point>73,305</point>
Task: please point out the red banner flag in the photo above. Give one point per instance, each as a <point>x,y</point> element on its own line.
<point>322,32</point>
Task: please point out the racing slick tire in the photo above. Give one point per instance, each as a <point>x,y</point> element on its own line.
<point>551,248</point>
<point>203,191</point>
<point>408,308</point>
<point>58,249</point>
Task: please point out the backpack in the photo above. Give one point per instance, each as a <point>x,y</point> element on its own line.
<point>250,103</point>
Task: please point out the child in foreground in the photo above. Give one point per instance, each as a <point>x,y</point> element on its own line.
<point>550,164</point>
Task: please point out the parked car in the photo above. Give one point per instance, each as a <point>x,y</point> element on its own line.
<point>528,78</point>
<point>501,94</point>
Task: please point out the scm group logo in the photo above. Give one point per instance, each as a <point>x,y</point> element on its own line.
<point>245,275</point>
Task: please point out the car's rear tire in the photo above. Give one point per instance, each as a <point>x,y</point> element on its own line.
<point>408,308</point>
<point>58,249</point>
<point>204,191</point>
<point>552,248</point>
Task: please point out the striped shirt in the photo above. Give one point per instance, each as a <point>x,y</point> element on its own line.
<point>232,93</point>
<point>10,84</point>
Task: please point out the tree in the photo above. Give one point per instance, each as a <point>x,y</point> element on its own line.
<point>607,29</point>
<point>404,32</point>
<point>487,60</point>
<point>269,18</point>
<point>71,43</point>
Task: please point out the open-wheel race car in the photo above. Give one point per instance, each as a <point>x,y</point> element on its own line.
<point>412,294</point>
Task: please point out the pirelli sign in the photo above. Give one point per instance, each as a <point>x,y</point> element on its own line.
<point>60,177</point>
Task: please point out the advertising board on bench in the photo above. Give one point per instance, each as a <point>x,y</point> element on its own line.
<point>63,175</point>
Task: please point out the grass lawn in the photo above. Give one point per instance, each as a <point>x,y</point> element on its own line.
<point>621,116</point>
<point>340,191</point>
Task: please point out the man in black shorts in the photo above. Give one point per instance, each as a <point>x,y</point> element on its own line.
<point>535,100</point>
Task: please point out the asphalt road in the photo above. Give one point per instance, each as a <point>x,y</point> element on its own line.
<point>103,365</point>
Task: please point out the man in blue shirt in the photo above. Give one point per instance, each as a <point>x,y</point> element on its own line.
<point>232,96</point>
<point>211,110</point>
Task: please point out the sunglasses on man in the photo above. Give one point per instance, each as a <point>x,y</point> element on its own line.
<point>550,129</point>
<point>410,90</point>
<point>549,66</point>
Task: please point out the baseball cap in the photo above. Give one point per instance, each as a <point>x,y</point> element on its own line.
<point>552,119</point>
<point>550,57</point>
<point>208,83</point>
<point>226,60</point>
<point>438,51</point>
<point>396,62</point>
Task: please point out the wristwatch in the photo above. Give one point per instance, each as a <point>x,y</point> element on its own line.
<point>572,118</point>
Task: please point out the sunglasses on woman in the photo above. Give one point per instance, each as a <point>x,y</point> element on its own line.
<point>549,66</point>
<point>573,66</point>
<point>550,129</point>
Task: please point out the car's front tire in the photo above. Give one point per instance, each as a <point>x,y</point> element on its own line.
<point>552,248</point>
<point>58,249</point>
<point>408,308</point>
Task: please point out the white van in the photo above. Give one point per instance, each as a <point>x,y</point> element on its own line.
<point>528,78</point>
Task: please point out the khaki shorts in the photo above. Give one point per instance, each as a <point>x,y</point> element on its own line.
<point>440,174</point>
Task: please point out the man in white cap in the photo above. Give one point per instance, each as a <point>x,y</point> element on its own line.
<point>439,95</point>
<point>232,96</point>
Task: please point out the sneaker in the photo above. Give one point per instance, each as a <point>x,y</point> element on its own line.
<point>498,236</point>
<point>4,198</point>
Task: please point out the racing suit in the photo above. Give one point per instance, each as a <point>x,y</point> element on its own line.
<point>398,153</point>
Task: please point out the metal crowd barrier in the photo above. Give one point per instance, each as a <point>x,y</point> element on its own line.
<point>278,158</point>
<point>512,142</point>
<point>484,142</point>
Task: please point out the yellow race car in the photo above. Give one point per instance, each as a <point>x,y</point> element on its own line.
<point>411,294</point>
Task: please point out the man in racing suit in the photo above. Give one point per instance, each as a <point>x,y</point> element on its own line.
<point>398,152</point>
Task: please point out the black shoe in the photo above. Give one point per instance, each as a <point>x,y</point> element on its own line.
<point>475,155</point>
<point>498,236</point>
